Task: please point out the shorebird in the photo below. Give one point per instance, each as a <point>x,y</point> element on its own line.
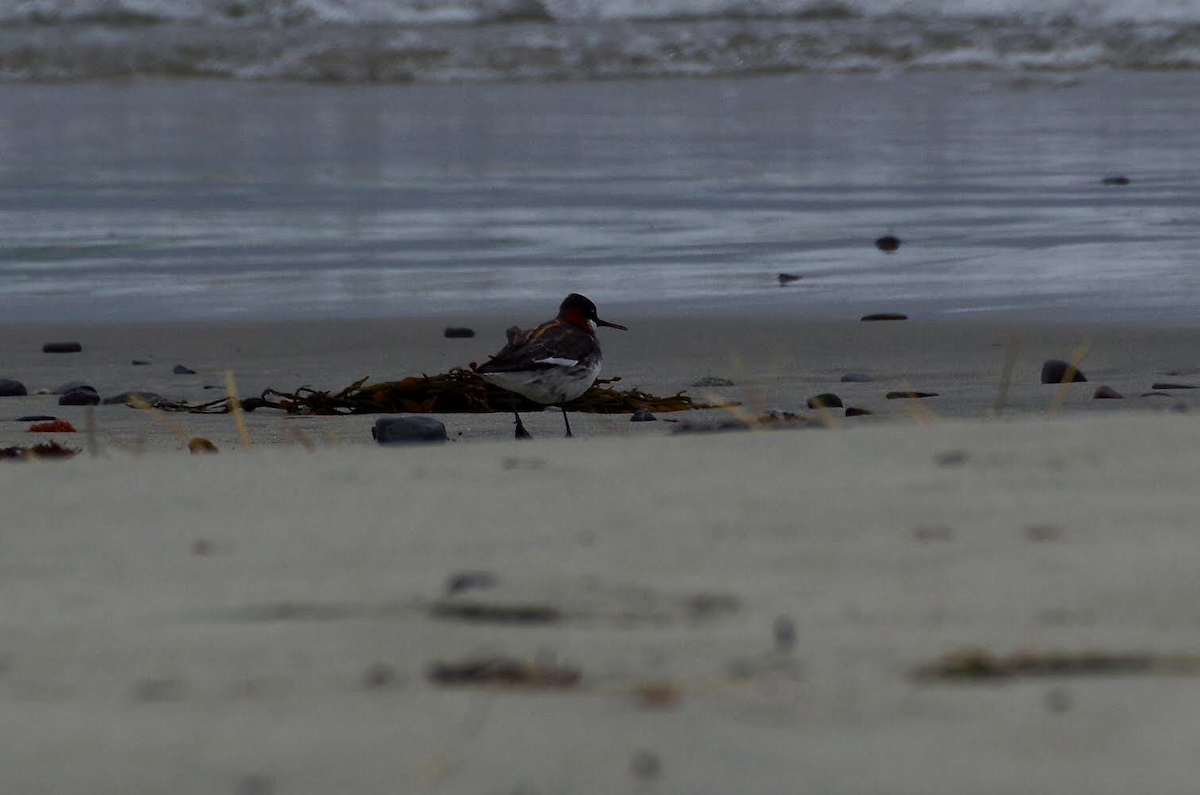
<point>552,364</point>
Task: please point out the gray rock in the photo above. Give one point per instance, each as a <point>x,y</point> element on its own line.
<point>408,430</point>
<point>856,378</point>
<point>851,411</point>
<point>643,416</point>
<point>12,388</point>
<point>36,418</point>
<point>139,362</point>
<point>1054,371</point>
<point>1171,385</point>
<point>1104,392</point>
<point>179,369</point>
<point>885,316</point>
<point>82,396</point>
<point>458,332</point>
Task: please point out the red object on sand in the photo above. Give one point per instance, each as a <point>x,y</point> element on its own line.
<point>58,426</point>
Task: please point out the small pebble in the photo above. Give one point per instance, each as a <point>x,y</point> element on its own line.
<point>788,278</point>
<point>1171,385</point>
<point>909,395</point>
<point>1058,699</point>
<point>825,400</point>
<point>951,458</point>
<point>1107,393</point>
<point>469,581</point>
<point>408,430</point>
<point>888,244</point>
<point>139,362</point>
<point>645,765</point>
<point>784,629</point>
<point>179,369</point>
<point>642,415</point>
<point>37,418</point>
<point>458,332</point>
<point>12,388</point>
<point>1054,371</point>
<point>851,411</point>
<point>1117,180</point>
<point>856,378</point>
<point>885,316</point>
<point>379,675</point>
<point>1156,394</point>
<point>62,347</point>
<point>198,445</point>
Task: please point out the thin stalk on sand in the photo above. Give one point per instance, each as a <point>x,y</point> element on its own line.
<point>235,406</point>
<point>1010,362</point>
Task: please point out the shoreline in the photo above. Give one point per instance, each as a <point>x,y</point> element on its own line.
<point>775,364</point>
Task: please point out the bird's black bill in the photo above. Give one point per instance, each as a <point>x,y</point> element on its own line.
<point>600,322</point>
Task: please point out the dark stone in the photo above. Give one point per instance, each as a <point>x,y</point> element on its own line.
<point>642,415</point>
<point>408,430</point>
<point>885,316</point>
<point>1115,180</point>
<point>888,244</point>
<point>856,378</point>
<point>36,418</point>
<point>788,278</point>
<point>62,347</point>
<point>1173,386</point>
<point>139,362</point>
<point>11,388</point>
<point>1054,371</point>
<point>458,332</point>
<point>126,398</point>
<point>1156,394</point>
<point>826,400</point>
<point>70,386</point>
<point>82,396</point>
<point>179,369</point>
<point>907,395</point>
<point>853,412</point>
<point>1107,393</point>
<point>712,380</point>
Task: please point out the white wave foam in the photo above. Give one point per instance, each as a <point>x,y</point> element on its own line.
<point>455,40</point>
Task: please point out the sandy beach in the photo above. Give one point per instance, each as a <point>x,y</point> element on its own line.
<point>735,612</point>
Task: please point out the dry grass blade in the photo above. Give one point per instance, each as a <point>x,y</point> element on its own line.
<point>1010,363</point>
<point>916,408</point>
<point>235,406</point>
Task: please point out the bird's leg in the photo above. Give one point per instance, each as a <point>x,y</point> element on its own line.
<point>565,420</point>
<point>521,432</point>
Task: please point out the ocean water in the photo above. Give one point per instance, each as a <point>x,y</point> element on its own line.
<point>165,159</point>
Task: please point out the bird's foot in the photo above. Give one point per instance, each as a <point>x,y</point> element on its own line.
<point>521,432</point>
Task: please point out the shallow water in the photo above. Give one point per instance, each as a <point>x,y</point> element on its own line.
<point>194,199</point>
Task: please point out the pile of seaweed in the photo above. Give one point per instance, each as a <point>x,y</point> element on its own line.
<point>454,392</point>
